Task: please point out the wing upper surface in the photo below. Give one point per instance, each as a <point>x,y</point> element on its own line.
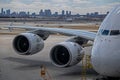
<point>71,32</point>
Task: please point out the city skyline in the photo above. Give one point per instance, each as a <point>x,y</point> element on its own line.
<point>75,6</point>
<point>44,13</point>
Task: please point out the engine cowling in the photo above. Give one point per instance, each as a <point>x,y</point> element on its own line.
<point>66,54</point>
<point>27,43</point>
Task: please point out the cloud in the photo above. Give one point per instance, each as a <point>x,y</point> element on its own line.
<point>81,1</point>
<point>5,1</point>
<point>60,1</point>
<point>95,8</point>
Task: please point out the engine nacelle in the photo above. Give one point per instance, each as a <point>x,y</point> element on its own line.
<point>28,43</point>
<point>66,54</point>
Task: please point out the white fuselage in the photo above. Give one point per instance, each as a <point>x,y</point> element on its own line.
<point>106,49</point>
<point>106,55</point>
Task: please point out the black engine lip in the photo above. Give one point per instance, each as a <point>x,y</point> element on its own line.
<point>53,62</point>
<point>22,53</point>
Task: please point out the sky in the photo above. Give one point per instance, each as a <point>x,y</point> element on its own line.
<point>76,6</point>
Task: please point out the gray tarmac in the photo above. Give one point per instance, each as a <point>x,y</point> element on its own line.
<point>17,67</point>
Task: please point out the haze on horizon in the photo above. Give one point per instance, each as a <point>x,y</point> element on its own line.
<point>76,6</point>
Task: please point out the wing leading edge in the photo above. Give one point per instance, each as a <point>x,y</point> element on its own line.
<point>69,32</point>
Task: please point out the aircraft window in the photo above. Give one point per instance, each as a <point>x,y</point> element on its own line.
<point>105,32</point>
<point>114,32</point>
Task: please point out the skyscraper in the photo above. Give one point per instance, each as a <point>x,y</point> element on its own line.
<point>8,12</point>
<point>48,12</point>
<point>56,14</point>
<point>63,12</point>
<point>66,13</point>
<point>2,12</point>
<point>28,13</point>
<point>69,13</point>
<point>41,13</point>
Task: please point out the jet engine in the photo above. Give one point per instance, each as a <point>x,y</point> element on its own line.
<point>66,54</point>
<point>28,43</point>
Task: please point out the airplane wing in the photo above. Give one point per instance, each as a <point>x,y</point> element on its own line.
<point>64,54</point>
<point>69,32</point>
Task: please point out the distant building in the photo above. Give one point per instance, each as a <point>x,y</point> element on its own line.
<point>87,14</point>
<point>63,12</point>
<point>96,14</point>
<point>48,12</point>
<point>67,13</point>
<point>28,13</point>
<point>8,12</point>
<point>22,14</point>
<point>55,14</point>
<point>41,13</point>
<point>14,14</point>
<point>2,11</point>
<point>33,15</point>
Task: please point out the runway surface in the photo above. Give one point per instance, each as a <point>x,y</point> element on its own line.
<point>17,67</point>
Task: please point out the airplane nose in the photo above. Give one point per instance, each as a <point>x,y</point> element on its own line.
<point>105,58</point>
